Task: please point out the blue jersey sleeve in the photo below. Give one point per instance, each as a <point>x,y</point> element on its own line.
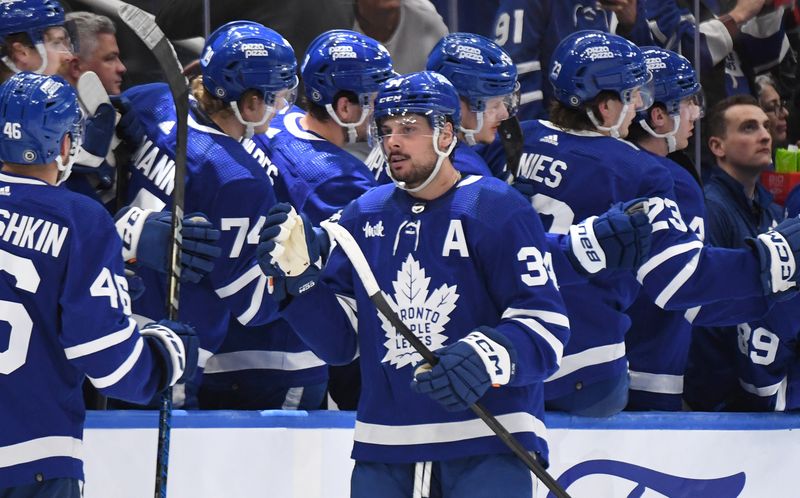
<point>98,334</point>
<point>239,209</point>
<point>534,317</point>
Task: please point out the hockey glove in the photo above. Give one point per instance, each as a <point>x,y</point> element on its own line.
<point>778,250</point>
<point>177,345</point>
<point>97,137</point>
<point>288,251</point>
<point>147,236</point>
<point>618,239</point>
<point>466,369</point>
<point>129,128</point>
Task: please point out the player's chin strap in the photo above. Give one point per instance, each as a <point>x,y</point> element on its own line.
<point>672,143</point>
<point>64,168</point>
<point>469,134</point>
<point>442,155</point>
<point>352,133</point>
<point>612,130</point>
<point>250,126</point>
<point>42,54</point>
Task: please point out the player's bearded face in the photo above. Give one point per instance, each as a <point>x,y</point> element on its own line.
<point>407,143</point>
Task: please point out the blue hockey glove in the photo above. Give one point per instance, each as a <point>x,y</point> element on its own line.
<point>466,369</point>
<point>129,128</point>
<point>288,251</point>
<point>618,239</point>
<point>147,236</point>
<point>177,345</point>
<point>778,250</point>
<point>97,137</point>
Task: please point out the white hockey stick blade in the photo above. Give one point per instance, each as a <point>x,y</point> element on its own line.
<point>91,92</point>
<point>350,247</point>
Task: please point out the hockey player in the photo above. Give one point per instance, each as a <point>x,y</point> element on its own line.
<point>33,37</point>
<point>486,81</point>
<point>529,31</point>
<point>65,300</point>
<point>248,72</point>
<point>575,166</point>
<point>271,367</point>
<point>467,261</point>
<point>657,343</point>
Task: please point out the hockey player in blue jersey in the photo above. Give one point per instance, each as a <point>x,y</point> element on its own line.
<point>529,31</point>
<point>465,259</point>
<point>66,302</point>
<point>33,37</point>
<point>248,72</point>
<point>657,343</point>
<point>269,366</point>
<point>452,290</point>
<point>575,166</point>
<point>486,81</point>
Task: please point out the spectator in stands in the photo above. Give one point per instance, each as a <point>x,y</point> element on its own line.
<point>776,107</point>
<point>96,42</point>
<point>738,207</point>
<point>529,31</point>
<point>409,29</point>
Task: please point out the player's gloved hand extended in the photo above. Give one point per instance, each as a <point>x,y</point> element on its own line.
<point>97,136</point>
<point>779,250</point>
<point>288,251</point>
<point>177,345</point>
<point>466,369</point>
<point>618,239</point>
<point>147,237</point>
<point>129,128</point>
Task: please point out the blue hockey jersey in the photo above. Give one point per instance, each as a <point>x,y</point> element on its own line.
<point>66,311</point>
<point>579,174</point>
<point>529,30</point>
<point>225,183</point>
<point>474,256</point>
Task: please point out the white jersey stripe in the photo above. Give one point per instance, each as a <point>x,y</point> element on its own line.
<point>447,432</point>
<point>555,344</point>
<point>593,356</point>
<point>127,365</point>
<point>350,308</point>
<point>255,300</point>
<point>546,316</point>
<point>101,343</point>
<point>528,67</point>
<point>528,97</point>
<point>656,383</point>
<point>666,254</point>
<point>240,283</point>
<point>677,282</point>
<point>261,360</point>
<point>40,448</point>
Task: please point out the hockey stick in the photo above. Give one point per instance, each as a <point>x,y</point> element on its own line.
<point>148,31</point>
<point>359,262</point>
<point>512,139</point>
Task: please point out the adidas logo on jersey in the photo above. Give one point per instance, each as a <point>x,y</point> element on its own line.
<point>550,139</point>
<point>5,190</point>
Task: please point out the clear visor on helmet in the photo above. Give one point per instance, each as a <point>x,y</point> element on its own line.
<point>282,100</point>
<point>405,126</point>
<point>641,97</point>
<point>58,39</point>
<point>695,106</point>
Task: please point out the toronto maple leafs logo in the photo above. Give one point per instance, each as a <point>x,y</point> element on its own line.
<point>424,313</point>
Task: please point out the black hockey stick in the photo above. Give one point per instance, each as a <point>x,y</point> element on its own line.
<point>512,140</point>
<point>148,31</point>
<point>359,262</point>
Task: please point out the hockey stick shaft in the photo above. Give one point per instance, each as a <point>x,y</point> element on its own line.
<point>359,262</point>
<point>512,140</point>
<point>148,31</point>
